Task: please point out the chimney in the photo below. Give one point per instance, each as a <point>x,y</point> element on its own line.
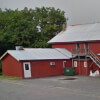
<point>19,47</point>
<point>63,27</point>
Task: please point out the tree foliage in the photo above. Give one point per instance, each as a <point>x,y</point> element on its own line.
<point>29,27</point>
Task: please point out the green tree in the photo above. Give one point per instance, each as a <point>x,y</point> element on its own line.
<point>29,27</point>
<point>49,21</point>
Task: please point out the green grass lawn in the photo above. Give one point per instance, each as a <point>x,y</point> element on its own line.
<point>9,78</point>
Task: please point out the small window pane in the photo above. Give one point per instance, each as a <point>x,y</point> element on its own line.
<point>75,63</point>
<point>52,63</point>
<point>26,67</point>
<point>85,64</point>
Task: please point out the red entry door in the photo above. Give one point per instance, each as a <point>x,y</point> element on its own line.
<point>80,68</point>
<point>83,68</point>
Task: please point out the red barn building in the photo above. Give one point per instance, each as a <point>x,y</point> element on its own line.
<point>32,63</point>
<point>84,43</point>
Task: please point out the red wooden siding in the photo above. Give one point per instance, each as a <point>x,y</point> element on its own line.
<point>94,67</point>
<point>83,69</point>
<point>68,63</point>
<point>94,46</point>
<point>44,69</point>
<point>11,67</point>
<point>67,46</point>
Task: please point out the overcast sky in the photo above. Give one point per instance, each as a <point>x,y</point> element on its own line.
<point>78,11</point>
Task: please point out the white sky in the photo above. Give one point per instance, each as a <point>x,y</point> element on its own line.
<point>78,11</point>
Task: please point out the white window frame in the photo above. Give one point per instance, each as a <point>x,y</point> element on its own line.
<point>52,63</point>
<point>75,63</point>
<point>85,64</point>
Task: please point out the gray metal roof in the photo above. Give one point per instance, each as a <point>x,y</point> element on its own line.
<point>87,32</point>
<point>40,54</point>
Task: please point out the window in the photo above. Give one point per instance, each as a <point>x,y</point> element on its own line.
<point>86,45</point>
<point>52,63</point>
<point>26,66</point>
<point>85,64</point>
<point>75,63</point>
<point>78,47</point>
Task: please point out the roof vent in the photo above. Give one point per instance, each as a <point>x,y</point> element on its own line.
<point>19,47</point>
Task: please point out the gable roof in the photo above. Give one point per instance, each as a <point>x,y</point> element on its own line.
<point>87,32</point>
<point>39,54</point>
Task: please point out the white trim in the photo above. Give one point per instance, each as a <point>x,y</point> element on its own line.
<point>75,63</point>
<point>27,73</point>
<point>85,64</point>
<point>52,63</point>
<point>64,62</point>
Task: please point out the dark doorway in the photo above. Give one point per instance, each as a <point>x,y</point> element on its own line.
<point>86,46</point>
<point>78,47</point>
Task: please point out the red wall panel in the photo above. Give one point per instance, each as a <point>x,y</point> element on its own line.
<point>68,46</point>
<point>43,68</point>
<point>94,67</point>
<point>11,67</point>
<point>68,63</point>
<point>95,47</point>
<point>83,69</point>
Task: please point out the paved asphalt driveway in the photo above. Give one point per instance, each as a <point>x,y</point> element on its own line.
<point>51,88</point>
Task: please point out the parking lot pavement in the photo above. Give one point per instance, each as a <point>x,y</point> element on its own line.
<point>51,88</point>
